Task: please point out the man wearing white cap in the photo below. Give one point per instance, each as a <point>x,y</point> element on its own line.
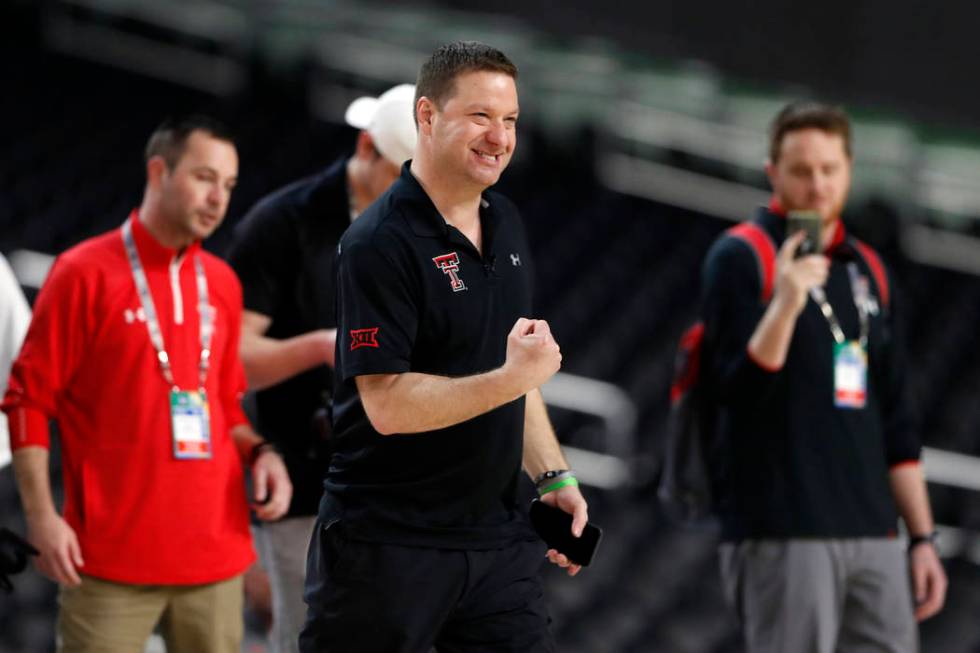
<point>283,252</point>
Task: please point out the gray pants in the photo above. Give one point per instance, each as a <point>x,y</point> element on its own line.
<point>282,550</point>
<point>821,595</point>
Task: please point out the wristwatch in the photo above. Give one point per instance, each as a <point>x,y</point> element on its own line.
<point>553,480</point>
<point>547,476</point>
<point>930,538</point>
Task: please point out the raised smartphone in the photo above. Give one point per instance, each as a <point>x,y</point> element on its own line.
<point>809,222</point>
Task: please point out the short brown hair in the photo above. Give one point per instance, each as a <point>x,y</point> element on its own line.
<point>808,115</point>
<point>169,139</point>
<point>438,74</point>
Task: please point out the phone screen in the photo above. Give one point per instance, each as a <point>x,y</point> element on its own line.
<point>555,528</point>
<point>809,222</point>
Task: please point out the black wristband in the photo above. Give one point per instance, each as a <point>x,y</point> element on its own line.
<point>257,450</point>
<point>929,538</point>
<point>547,476</point>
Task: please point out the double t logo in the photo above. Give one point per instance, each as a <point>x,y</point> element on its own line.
<point>449,264</point>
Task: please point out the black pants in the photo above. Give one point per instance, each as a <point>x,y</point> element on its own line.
<point>364,597</point>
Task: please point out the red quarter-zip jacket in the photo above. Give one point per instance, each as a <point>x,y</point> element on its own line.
<point>87,362</point>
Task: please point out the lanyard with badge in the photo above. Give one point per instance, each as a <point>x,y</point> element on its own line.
<point>189,414</point>
<point>850,356</point>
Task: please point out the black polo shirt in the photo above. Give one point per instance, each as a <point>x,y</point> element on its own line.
<point>414,295</point>
<point>797,465</point>
<point>283,252</point>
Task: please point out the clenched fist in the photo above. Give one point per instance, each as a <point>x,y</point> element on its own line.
<point>533,356</point>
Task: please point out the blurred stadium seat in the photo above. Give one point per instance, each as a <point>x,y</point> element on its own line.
<point>617,272</point>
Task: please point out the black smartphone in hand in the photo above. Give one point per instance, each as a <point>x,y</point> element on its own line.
<point>555,528</point>
<point>808,222</point>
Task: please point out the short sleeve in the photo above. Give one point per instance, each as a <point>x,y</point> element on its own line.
<point>261,256</point>
<point>377,312</point>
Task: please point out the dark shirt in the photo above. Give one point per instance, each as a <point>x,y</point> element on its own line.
<point>414,295</point>
<point>797,465</point>
<point>283,252</point>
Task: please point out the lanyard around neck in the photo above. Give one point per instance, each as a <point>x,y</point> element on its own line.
<point>859,292</point>
<point>206,318</point>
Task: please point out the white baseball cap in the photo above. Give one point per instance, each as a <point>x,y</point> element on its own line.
<point>390,119</point>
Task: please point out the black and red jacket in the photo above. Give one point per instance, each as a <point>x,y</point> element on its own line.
<point>797,466</point>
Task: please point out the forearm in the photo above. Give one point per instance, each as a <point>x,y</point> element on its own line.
<point>269,361</point>
<point>34,481</point>
<point>912,498</point>
<point>541,450</point>
<point>412,402</point>
<point>770,341</point>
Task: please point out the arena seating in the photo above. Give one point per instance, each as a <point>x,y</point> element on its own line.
<point>616,276</point>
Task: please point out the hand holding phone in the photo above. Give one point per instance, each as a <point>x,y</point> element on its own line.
<point>555,528</point>
<point>809,223</point>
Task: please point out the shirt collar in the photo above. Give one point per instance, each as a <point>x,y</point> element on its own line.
<point>425,220</point>
<point>149,248</point>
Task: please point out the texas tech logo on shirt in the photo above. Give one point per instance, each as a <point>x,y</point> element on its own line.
<point>449,264</point>
<point>363,338</point>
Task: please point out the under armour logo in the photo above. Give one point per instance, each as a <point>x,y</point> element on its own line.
<point>515,260</point>
<point>449,264</point>
<point>872,306</point>
<point>363,338</point>
<point>131,316</point>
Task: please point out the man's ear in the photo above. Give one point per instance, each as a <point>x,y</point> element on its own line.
<point>364,148</point>
<point>770,171</point>
<point>425,109</point>
<point>156,169</point>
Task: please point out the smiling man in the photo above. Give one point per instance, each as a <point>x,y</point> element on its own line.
<point>133,351</point>
<point>420,541</point>
<point>283,253</point>
<point>815,413</point>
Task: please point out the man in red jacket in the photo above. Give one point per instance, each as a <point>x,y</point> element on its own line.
<point>133,350</point>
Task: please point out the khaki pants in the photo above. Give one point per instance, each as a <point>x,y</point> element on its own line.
<point>101,616</point>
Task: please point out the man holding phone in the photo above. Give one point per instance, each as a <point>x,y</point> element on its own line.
<point>814,414</point>
<point>420,541</point>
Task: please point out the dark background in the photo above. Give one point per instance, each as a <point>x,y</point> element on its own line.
<point>618,272</point>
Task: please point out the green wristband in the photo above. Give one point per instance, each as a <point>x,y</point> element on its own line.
<point>565,482</point>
